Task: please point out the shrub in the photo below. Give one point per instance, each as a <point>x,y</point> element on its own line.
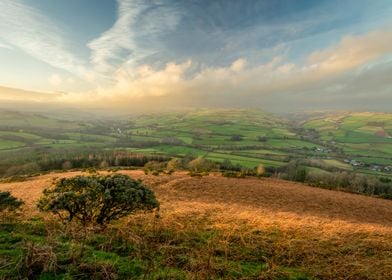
<point>173,165</point>
<point>97,199</point>
<point>24,169</point>
<point>385,180</point>
<point>260,170</point>
<point>236,137</point>
<point>9,202</point>
<point>36,259</point>
<point>233,174</point>
<point>195,174</point>
<point>201,165</point>
<point>386,196</point>
<point>153,167</point>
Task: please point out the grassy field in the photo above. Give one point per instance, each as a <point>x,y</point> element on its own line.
<point>245,137</point>
<point>210,228</point>
<point>372,130</point>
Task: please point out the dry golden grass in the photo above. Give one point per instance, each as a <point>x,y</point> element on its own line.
<point>328,234</point>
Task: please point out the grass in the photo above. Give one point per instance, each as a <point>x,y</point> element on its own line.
<point>159,252</point>
<point>242,160</point>
<point>181,150</point>
<point>8,145</point>
<point>213,228</point>
<point>85,137</point>
<point>265,138</point>
<point>23,135</point>
<point>338,164</point>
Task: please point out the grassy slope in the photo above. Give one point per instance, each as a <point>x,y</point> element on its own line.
<point>222,229</point>
<point>212,130</point>
<point>364,137</point>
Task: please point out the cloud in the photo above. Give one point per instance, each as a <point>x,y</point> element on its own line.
<point>238,84</point>
<point>26,28</point>
<point>347,72</point>
<point>133,35</point>
<point>71,81</point>
<point>352,51</point>
<point>55,80</point>
<point>20,95</point>
<point>238,65</point>
<point>5,46</point>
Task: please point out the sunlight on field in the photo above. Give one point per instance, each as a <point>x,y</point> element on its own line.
<point>322,233</point>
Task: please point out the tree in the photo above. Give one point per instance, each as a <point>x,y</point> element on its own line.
<point>66,165</point>
<point>25,169</point>
<point>200,165</point>
<point>300,175</point>
<point>236,137</point>
<point>96,198</point>
<point>173,165</point>
<point>9,202</point>
<point>260,170</point>
<point>153,167</point>
<point>296,172</point>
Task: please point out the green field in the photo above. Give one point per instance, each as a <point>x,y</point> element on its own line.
<point>244,137</point>
<point>363,136</point>
<point>6,145</point>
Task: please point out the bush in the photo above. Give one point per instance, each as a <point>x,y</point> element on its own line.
<point>25,169</point>
<point>386,196</point>
<point>9,202</point>
<point>236,137</point>
<point>153,167</point>
<point>173,165</point>
<point>385,180</point>
<point>200,165</point>
<point>233,174</point>
<point>36,260</point>
<point>195,174</point>
<point>97,199</point>
<point>260,170</point>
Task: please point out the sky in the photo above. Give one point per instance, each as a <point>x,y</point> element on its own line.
<point>139,55</point>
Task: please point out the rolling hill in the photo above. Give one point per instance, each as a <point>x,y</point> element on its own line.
<point>349,141</point>
<point>220,228</point>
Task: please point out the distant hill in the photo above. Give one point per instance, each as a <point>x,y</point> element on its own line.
<point>247,138</point>
<point>366,137</point>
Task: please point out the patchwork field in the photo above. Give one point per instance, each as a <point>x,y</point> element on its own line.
<point>220,228</point>
<point>359,134</point>
<point>359,142</point>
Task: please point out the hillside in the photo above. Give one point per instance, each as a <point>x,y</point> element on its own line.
<point>249,228</point>
<point>363,137</point>
<point>247,138</point>
<point>237,135</point>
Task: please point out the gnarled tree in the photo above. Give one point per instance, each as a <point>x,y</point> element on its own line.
<point>96,198</point>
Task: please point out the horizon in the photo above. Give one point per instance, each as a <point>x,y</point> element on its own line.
<point>151,56</point>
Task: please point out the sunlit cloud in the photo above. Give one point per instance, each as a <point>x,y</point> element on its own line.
<point>166,54</point>
<point>352,51</point>
<point>55,80</point>
<point>237,83</point>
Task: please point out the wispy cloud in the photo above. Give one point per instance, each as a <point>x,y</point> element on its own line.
<point>4,46</point>
<point>55,80</point>
<point>195,53</point>
<point>29,30</point>
<point>134,34</point>
<point>319,75</point>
